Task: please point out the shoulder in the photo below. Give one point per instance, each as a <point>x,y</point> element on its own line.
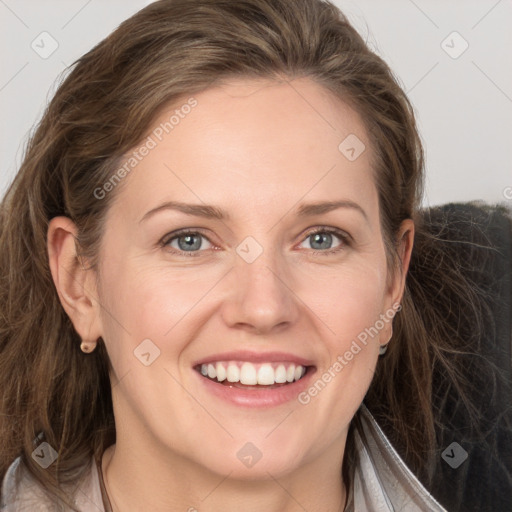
<point>22,492</point>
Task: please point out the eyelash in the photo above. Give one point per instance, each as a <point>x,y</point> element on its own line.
<point>344,238</point>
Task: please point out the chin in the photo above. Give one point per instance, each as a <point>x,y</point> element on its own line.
<point>248,463</point>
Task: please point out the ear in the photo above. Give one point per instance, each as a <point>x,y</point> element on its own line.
<point>75,285</point>
<point>396,286</point>
<point>405,242</point>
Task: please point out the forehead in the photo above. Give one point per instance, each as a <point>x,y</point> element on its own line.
<point>248,143</point>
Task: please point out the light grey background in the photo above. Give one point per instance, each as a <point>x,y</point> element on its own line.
<point>463,100</point>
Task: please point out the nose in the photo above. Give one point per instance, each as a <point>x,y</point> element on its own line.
<point>261,298</point>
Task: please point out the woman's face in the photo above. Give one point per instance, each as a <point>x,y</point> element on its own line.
<point>252,295</point>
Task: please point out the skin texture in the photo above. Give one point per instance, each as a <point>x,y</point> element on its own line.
<point>257,149</point>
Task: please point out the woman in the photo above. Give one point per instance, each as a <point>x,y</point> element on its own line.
<point>205,258</point>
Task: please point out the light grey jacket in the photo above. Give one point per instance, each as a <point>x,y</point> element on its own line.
<point>382,481</point>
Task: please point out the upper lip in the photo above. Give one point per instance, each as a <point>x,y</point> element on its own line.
<point>255,357</point>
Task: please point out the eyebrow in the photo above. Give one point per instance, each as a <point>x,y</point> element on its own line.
<point>213,212</point>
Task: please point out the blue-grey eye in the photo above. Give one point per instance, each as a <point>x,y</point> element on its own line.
<point>322,239</point>
<point>188,242</point>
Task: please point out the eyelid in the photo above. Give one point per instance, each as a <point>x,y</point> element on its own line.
<point>328,229</point>
<point>165,241</point>
<point>345,238</point>
<point>181,232</point>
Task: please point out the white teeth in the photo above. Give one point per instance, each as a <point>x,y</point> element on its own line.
<point>233,373</point>
<point>249,374</point>
<point>266,375</point>
<point>280,375</point>
<point>221,372</point>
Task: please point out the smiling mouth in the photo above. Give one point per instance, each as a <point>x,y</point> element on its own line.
<point>245,375</point>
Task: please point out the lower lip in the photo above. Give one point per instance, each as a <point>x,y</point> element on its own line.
<point>260,397</point>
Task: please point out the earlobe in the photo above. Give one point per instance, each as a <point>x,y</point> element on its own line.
<point>74,283</point>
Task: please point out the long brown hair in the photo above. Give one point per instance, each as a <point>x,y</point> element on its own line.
<point>102,110</point>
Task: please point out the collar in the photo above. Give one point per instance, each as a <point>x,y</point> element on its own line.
<point>382,482</point>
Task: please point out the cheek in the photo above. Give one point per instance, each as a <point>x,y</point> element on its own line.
<point>348,300</point>
<point>151,302</point>
<point>149,298</point>
<point>349,305</point>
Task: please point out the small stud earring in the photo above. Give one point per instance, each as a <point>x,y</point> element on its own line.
<point>383,348</point>
<point>86,347</point>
